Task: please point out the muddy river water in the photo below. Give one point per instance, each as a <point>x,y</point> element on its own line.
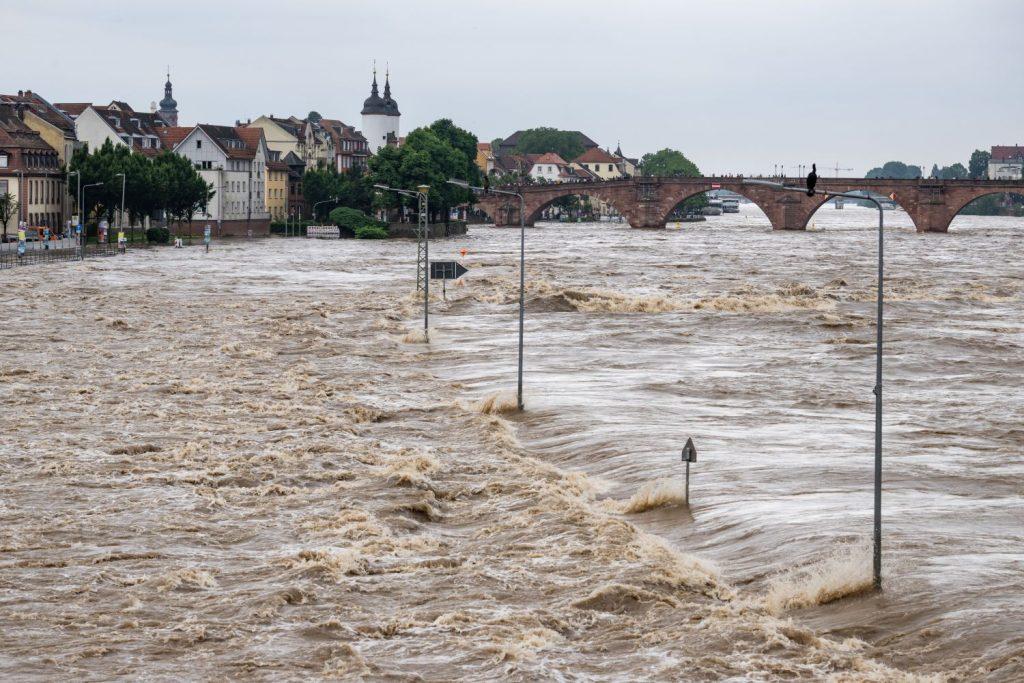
<point>249,464</point>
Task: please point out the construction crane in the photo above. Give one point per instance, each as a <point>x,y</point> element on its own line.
<point>837,169</point>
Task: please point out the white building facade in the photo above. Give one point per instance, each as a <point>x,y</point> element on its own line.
<point>1006,163</point>
<point>549,168</point>
<point>233,160</point>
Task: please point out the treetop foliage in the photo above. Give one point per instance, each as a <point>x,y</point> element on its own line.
<point>668,163</point>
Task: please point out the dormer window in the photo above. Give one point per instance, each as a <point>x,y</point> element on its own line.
<point>113,120</point>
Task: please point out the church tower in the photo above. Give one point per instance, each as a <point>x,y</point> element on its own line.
<point>168,106</point>
<point>380,116</point>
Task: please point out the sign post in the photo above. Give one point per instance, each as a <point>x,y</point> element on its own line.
<point>206,238</point>
<point>689,455</point>
<point>21,240</point>
<point>444,271</point>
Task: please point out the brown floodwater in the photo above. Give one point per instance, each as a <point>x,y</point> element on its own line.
<point>248,464</point>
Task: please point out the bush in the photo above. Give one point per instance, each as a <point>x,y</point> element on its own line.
<point>371,232</point>
<point>158,235</point>
<point>349,219</point>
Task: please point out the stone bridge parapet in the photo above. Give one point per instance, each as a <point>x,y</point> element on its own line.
<point>647,202</point>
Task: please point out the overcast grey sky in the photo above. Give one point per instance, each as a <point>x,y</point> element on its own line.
<point>738,85</point>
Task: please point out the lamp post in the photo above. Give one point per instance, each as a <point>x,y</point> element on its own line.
<point>323,201</point>
<point>78,194</point>
<point>522,270</point>
<point>423,247</point>
<point>877,391</point>
<point>85,231</point>
<point>124,182</point>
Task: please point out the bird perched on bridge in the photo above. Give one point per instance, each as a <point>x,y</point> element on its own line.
<point>812,180</point>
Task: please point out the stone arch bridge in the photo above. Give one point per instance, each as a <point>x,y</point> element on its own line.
<point>647,202</point>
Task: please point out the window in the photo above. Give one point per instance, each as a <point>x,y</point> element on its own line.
<point>610,168</point>
<point>3,163</point>
<point>199,144</point>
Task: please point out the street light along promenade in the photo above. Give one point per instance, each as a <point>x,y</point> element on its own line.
<point>877,559</point>
<point>522,268</point>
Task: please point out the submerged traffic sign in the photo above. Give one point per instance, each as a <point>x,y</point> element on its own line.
<point>447,270</point>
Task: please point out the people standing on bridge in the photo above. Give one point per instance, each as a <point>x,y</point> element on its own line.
<point>812,180</point>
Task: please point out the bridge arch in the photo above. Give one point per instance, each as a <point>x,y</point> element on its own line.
<point>677,198</point>
<point>536,208</point>
<point>959,206</point>
<point>819,202</point>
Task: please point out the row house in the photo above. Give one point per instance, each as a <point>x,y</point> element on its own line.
<point>600,163</point>
<point>30,171</point>
<point>296,198</point>
<point>121,124</point>
<point>318,142</point>
<point>54,127</point>
<point>349,146</point>
<point>282,134</point>
<point>233,160</point>
<point>277,186</point>
<point>118,123</point>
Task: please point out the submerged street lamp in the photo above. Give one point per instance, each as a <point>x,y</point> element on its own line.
<point>85,230</point>
<point>124,182</point>
<point>522,268</point>
<point>423,245</point>
<point>878,357</point>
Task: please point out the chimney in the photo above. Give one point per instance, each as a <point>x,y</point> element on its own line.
<point>238,123</point>
<point>21,93</point>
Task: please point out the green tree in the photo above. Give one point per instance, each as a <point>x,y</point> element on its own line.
<point>673,164</point>
<point>185,192</point>
<point>668,163</point>
<point>895,169</point>
<point>567,144</point>
<point>8,208</point>
<point>978,165</point>
<point>430,156</point>
<point>954,172</point>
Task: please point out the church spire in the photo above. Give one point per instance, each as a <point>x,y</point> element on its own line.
<point>168,105</point>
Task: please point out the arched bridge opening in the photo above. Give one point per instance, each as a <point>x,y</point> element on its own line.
<point>576,205</point>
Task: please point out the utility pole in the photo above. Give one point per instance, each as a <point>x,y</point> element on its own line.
<point>421,194</point>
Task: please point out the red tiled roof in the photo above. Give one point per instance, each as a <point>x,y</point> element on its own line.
<point>483,146</point>
<point>236,142</point>
<point>596,155</point>
<point>72,108</point>
<point>19,135</point>
<point>251,137</point>
<point>171,136</point>
<point>1007,152</point>
<point>42,109</point>
<point>548,158</point>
